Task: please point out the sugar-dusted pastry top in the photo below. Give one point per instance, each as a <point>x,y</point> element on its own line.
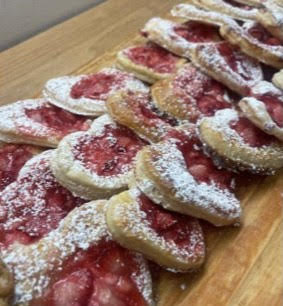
<point>79,251</point>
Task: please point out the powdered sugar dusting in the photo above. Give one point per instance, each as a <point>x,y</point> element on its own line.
<point>171,168</point>
<point>58,92</point>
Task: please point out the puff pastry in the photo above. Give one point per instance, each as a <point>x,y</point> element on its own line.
<point>34,204</point>
<point>271,18</point>
<point>277,79</point>
<point>180,39</point>
<point>12,159</point>
<point>191,12</point>
<point>254,40</point>
<point>172,240</point>
<point>189,94</point>
<point>86,94</point>
<point>98,163</point>
<point>137,112</point>
<point>233,141</point>
<point>6,285</point>
<point>38,122</point>
<point>79,262</point>
<point>230,8</point>
<point>265,108</point>
<point>176,174</point>
<point>229,66</point>
<point>149,62</point>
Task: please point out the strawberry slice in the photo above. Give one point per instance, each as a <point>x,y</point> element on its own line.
<point>103,275</point>
<point>200,166</point>
<point>111,153</point>
<point>154,57</point>
<point>12,158</point>
<point>58,119</point>
<point>180,229</point>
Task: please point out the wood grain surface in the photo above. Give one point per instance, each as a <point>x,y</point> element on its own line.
<point>244,265</point>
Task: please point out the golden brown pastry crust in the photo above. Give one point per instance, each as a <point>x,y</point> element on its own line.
<point>277,79</point>
<point>140,71</point>
<point>227,147</point>
<point>162,175</point>
<point>124,107</point>
<point>6,285</point>
<point>127,225</point>
<point>175,101</point>
<point>239,36</point>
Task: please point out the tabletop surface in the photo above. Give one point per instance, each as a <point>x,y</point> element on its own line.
<point>244,265</point>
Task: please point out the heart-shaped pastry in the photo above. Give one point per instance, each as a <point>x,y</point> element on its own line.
<point>38,122</point>
<point>176,174</point>
<point>172,240</point>
<point>98,163</point>
<point>149,62</point>
<point>86,94</point>
<point>34,204</point>
<point>190,94</point>
<point>235,142</point>
<point>79,264</point>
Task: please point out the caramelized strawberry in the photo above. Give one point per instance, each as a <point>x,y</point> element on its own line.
<point>250,133</point>
<point>111,153</point>
<point>58,119</point>
<point>105,274</point>
<point>197,32</point>
<point>154,57</point>
<point>12,158</point>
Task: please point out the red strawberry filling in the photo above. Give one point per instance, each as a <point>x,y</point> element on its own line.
<point>235,60</point>
<point>274,106</point>
<point>199,165</point>
<point>111,153</point>
<point>33,206</point>
<point>154,57</point>
<point>197,32</point>
<point>106,274</point>
<point>258,32</point>
<point>97,86</point>
<point>58,119</point>
<point>192,85</point>
<point>183,230</point>
<point>12,158</point>
<point>250,134</point>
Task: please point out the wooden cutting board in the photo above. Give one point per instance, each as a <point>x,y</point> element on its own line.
<point>244,265</point>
